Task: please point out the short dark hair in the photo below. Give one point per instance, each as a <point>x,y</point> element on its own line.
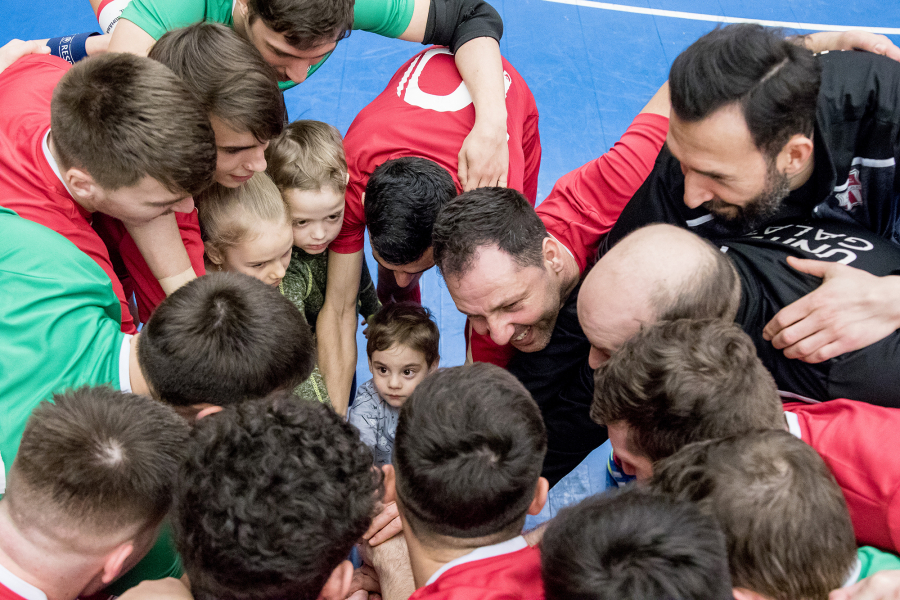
<point>403,197</point>
<point>96,460</point>
<point>307,23</point>
<point>227,74</point>
<point>677,382</point>
<point>468,453</point>
<point>491,216</point>
<point>775,82</point>
<point>405,323</point>
<point>771,494</point>
<point>633,545</point>
<point>224,338</point>
<point>121,117</point>
<point>271,499</point>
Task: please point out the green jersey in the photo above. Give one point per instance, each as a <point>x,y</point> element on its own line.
<point>873,560</point>
<point>389,18</point>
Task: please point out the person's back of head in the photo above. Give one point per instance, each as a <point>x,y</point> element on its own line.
<point>122,117</point>
<point>485,217</point>
<point>92,479</point>
<point>227,74</point>
<point>775,82</point>
<point>222,339</point>
<point>468,454</point>
<point>786,524</point>
<point>269,503</point>
<point>633,545</point>
<point>308,156</point>
<point>403,198</point>
<point>683,381</point>
<point>307,23</point>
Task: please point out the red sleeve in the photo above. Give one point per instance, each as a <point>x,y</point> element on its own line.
<point>352,234</point>
<point>147,290</point>
<point>585,203</point>
<point>859,443</point>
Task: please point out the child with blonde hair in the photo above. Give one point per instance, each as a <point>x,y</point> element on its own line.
<point>307,164</point>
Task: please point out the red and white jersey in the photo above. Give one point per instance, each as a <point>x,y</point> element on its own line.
<point>427,111</point>
<point>859,442</point>
<point>12,587</point>
<point>510,570</point>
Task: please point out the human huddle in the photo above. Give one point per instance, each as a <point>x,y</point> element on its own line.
<point>711,308</point>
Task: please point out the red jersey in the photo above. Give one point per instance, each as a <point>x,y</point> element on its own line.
<point>426,111</point>
<point>29,185</point>
<point>14,588</point>
<point>512,575</point>
<point>858,441</point>
<point>585,204</point>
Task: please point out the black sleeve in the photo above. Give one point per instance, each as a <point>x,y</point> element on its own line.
<point>452,23</point>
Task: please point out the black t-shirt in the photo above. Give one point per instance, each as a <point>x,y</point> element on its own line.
<point>562,383</point>
<point>768,284</point>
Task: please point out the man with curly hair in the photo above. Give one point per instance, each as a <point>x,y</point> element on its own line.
<point>273,497</point>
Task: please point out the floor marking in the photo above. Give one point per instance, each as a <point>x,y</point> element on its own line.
<point>675,14</point>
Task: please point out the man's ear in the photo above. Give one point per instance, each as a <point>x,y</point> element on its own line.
<point>81,184</point>
<point>390,484</point>
<point>242,6</point>
<point>434,367</point>
<point>540,496</point>
<point>795,155</point>
<point>362,198</point>
<point>338,583</point>
<point>553,254</point>
<point>205,409</point>
<point>112,567</point>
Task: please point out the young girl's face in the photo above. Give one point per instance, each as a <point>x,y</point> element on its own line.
<point>316,217</point>
<point>264,253</point>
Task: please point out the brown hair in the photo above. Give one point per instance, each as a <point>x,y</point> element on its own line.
<point>228,214</point>
<point>309,155</point>
<point>405,323</point>
<point>121,117</point>
<point>305,23</point>
<point>96,460</point>
<point>227,74</point>
<point>786,524</point>
<point>677,382</point>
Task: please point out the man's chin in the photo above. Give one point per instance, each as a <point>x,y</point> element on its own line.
<point>535,340</point>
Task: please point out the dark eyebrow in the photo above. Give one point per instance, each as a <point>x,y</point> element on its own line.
<point>168,202</point>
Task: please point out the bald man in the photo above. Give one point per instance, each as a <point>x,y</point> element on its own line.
<point>665,272</point>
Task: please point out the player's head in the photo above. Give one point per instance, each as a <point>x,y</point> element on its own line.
<point>308,165</point>
<point>236,87</point>
<point>293,35</point>
<point>743,112</point>
<point>270,501</point>
<point>247,229</point>
<point>659,272</point>
<point>402,346</point>
<point>403,197</point>
<point>786,524</point>
<point>132,141</point>
<point>632,545</point>
<point>501,266</point>
<point>468,454</point>
<point>222,339</point>
<point>90,484</point>
<point>682,381</point>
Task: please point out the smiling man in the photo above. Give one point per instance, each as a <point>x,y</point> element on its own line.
<point>763,131</point>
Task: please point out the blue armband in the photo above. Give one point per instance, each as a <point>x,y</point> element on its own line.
<point>70,48</point>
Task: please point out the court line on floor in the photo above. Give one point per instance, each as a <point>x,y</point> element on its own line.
<point>675,14</point>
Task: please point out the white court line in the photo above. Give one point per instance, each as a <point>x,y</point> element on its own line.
<point>675,14</point>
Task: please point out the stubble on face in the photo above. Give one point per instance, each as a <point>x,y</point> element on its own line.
<point>758,209</point>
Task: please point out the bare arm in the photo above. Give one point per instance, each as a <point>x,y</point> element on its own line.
<point>13,50</point>
<point>128,37</point>
<point>391,562</point>
<point>854,39</point>
<point>161,246</point>
<point>336,327</point>
<point>659,104</point>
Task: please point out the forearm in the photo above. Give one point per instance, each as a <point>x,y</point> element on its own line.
<point>336,344</point>
<point>481,68</point>
<point>391,562</point>
<point>160,243</point>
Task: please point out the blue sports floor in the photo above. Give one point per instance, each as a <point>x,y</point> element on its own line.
<point>590,65</point>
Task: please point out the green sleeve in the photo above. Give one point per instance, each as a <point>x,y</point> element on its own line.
<point>367,302</point>
<point>162,561</point>
<point>314,388</point>
<point>59,323</point>
<point>159,16</point>
<point>389,18</point>
<point>873,560</point>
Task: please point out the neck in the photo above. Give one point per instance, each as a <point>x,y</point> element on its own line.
<point>135,374</point>
<point>39,561</point>
<point>83,203</point>
<point>427,555</point>
<point>569,277</point>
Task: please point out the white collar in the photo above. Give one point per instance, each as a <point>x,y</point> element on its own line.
<point>125,364</point>
<point>19,586</point>
<point>793,423</point>
<point>855,572</point>
<point>45,146</point>
<point>507,547</point>
<point>563,245</point>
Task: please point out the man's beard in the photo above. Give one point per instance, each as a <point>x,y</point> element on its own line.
<point>760,208</point>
